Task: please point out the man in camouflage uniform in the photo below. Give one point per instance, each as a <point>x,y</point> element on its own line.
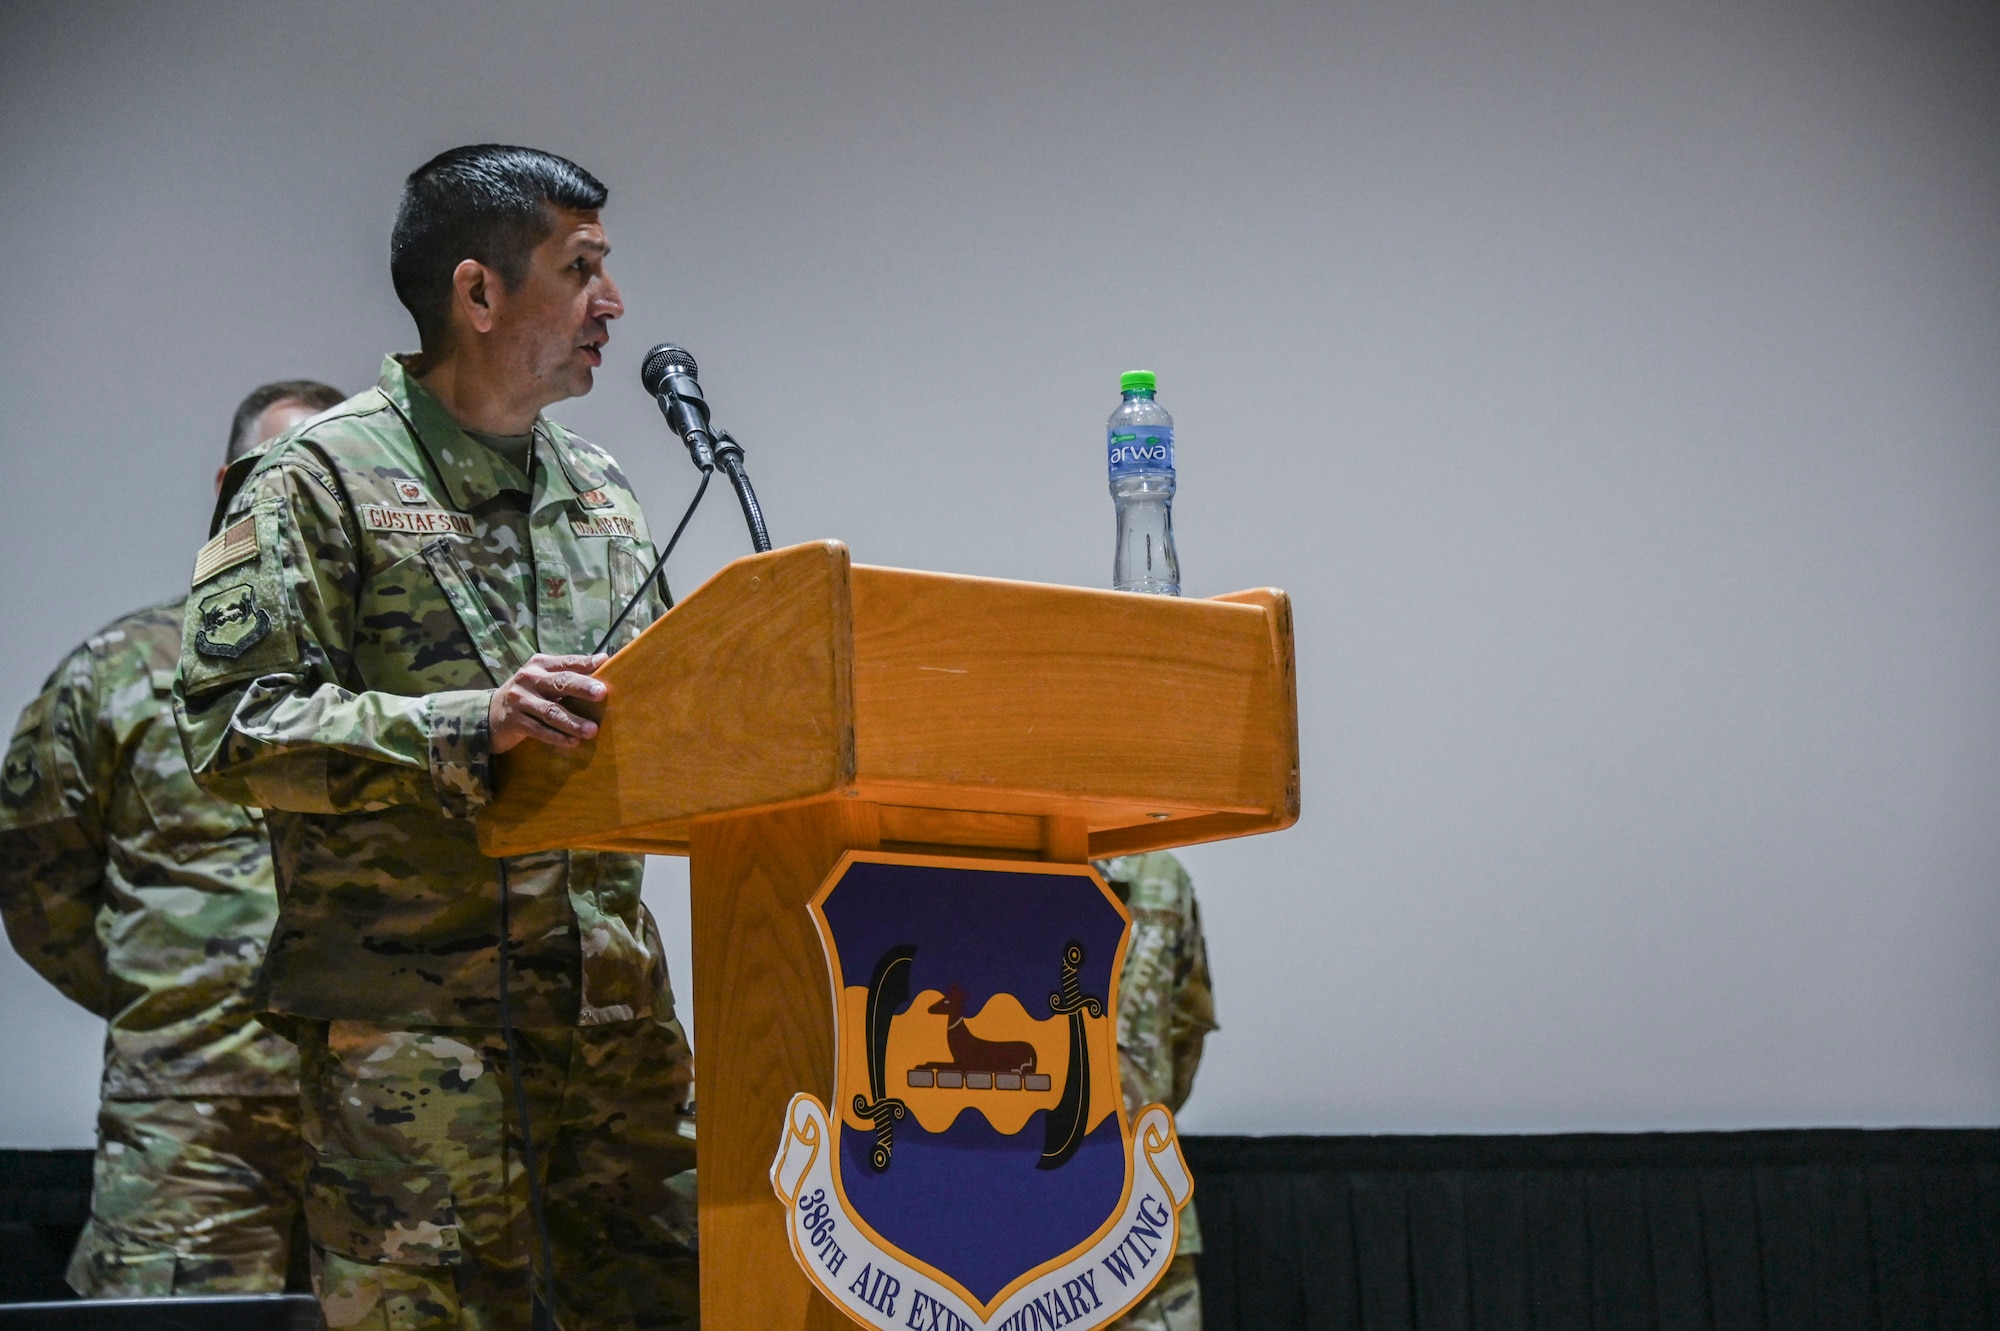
<point>415,582</point>
<point>149,901</point>
<point>1165,1011</point>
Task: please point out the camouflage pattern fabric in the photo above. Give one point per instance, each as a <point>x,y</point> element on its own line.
<point>192,1196</point>
<point>376,576</point>
<point>419,1221</point>
<point>1165,1012</point>
<point>1173,1305</point>
<point>130,889</point>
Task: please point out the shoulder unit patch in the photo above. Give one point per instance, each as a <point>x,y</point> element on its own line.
<point>22,773</point>
<point>231,622</point>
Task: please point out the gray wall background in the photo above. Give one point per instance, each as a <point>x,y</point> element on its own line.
<point>1616,388</point>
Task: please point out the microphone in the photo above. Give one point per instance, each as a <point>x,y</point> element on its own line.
<point>668,373</point>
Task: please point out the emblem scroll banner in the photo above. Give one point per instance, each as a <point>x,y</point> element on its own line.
<point>974,1166</point>
<point>881,1288</point>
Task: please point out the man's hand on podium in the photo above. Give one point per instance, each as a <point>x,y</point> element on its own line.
<point>529,705</point>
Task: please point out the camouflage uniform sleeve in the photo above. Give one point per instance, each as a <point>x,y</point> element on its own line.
<point>58,776</point>
<point>266,653</point>
<point>1194,1006</point>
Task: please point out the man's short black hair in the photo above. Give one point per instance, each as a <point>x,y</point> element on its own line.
<point>485,201</point>
<point>309,392</point>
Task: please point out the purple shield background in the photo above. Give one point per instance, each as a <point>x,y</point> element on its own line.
<point>968,1200</point>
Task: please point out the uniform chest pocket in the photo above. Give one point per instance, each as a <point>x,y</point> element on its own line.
<point>412,635</point>
<point>627,569</point>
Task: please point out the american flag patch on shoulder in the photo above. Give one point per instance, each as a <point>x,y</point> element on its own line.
<point>236,543</point>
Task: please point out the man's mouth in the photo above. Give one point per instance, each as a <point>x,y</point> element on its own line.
<point>594,352</point>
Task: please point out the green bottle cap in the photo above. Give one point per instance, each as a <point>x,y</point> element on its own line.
<point>1137,381</point>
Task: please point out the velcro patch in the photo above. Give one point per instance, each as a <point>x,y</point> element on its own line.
<point>231,622</point>
<point>22,773</point>
<point>605,524</point>
<point>595,499</point>
<point>377,518</point>
<point>236,543</point>
<point>412,492</point>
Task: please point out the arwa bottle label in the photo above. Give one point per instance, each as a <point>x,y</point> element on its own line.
<point>1138,449</point>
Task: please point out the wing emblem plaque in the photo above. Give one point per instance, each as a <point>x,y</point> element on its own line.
<point>977,1168</point>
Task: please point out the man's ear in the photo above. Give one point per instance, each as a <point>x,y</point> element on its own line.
<point>220,472</point>
<point>473,287</point>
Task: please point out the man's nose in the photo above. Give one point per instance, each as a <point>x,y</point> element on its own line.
<point>609,304</point>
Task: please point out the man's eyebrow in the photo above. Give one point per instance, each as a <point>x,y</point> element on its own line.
<point>601,246</point>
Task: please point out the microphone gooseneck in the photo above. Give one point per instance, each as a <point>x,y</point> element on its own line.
<point>729,457</point>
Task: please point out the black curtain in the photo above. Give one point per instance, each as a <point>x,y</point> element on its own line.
<point>1777,1231</point>
<point>44,1200</point>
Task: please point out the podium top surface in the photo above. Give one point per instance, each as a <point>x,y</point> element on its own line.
<point>796,676</point>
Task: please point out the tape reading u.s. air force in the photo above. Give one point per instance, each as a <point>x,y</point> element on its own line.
<point>235,544</point>
<point>605,524</point>
<point>377,518</point>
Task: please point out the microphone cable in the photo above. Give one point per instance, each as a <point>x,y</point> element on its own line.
<point>659,564</point>
<point>543,1289</point>
<point>542,1295</point>
<point>542,1316</point>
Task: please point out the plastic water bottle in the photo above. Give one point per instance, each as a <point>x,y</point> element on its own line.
<point>1139,439</point>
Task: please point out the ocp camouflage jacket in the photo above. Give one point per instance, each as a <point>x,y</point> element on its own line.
<point>1165,1006</point>
<point>129,888</point>
<point>377,575</point>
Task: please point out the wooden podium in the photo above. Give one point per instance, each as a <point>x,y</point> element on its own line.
<point>796,706</point>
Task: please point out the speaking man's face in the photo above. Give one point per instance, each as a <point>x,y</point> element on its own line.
<point>556,322</point>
